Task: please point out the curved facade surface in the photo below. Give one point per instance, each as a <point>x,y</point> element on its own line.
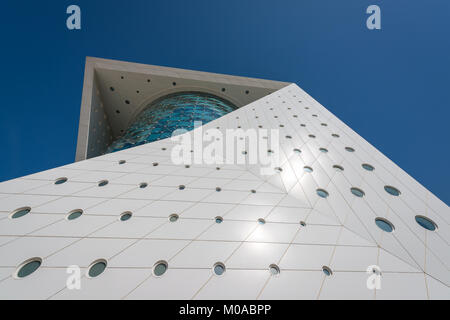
<point>165,115</point>
<point>336,220</point>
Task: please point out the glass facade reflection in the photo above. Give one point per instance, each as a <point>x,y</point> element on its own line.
<point>165,115</point>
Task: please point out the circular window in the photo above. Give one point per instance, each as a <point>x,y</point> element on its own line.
<point>219,268</point>
<point>74,214</point>
<point>20,212</point>
<point>253,191</point>
<point>322,193</point>
<point>298,151</point>
<point>323,150</point>
<point>308,169</point>
<point>426,223</point>
<point>143,185</point>
<point>122,161</point>
<point>327,271</point>
<point>60,180</point>
<point>278,169</point>
<point>391,190</point>
<point>155,164</point>
<point>160,268</point>
<point>97,268</point>
<point>173,217</point>
<point>349,149</point>
<point>181,187</point>
<point>357,192</point>
<point>261,221</point>
<point>303,223</point>
<point>384,224</point>
<point>368,167</point>
<point>218,189</point>
<point>338,168</point>
<point>219,219</point>
<point>28,267</point>
<point>125,216</point>
<point>274,270</point>
<point>103,183</point>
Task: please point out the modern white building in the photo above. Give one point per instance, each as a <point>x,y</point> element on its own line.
<point>335,219</point>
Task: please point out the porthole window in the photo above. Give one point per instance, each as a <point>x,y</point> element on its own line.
<point>349,149</point>
<point>261,221</point>
<point>338,168</point>
<point>303,223</point>
<point>181,187</point>
<point>218,219</point>
<point>143,185</point>
<point>122,161</point>
<point>322,193</point>
<point>97,268</point>
<point>187,166</point>
<point>218,189</point>
<point>278,169</point>
<point>111,88</point>
<point>426,223</point>
<point>103,183</point>
<point>28,267</point>
<point>327,271</point>
<point>323,150</point>
<point>127,101</point>
<point>368,167</point>
<point>298,151</point>
<point>308,169</point>
<point>18,213</point>
<point>173,217</point>
<point>357,192</point>
<point>74,214</point>
<point>160,268</point>
<point>125,216</point>
<point>274,270</point>
<point>174,84</point>
<point>219,268</point>
<point>253,191</point>
<point>155,164</point>
<point>60,180</point>
<point>384,224</point>
<point>392,190</point>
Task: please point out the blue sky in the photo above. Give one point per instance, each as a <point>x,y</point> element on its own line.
<point>391,85</point>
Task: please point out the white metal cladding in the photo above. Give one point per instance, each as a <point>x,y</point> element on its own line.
<point>339,231</point>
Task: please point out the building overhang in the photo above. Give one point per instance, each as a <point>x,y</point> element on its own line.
<point>115,92</point>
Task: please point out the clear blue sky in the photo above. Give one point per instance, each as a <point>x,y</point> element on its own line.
<point>391,86</point>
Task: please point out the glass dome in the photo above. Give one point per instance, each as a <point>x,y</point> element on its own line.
<point>165,115</point>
